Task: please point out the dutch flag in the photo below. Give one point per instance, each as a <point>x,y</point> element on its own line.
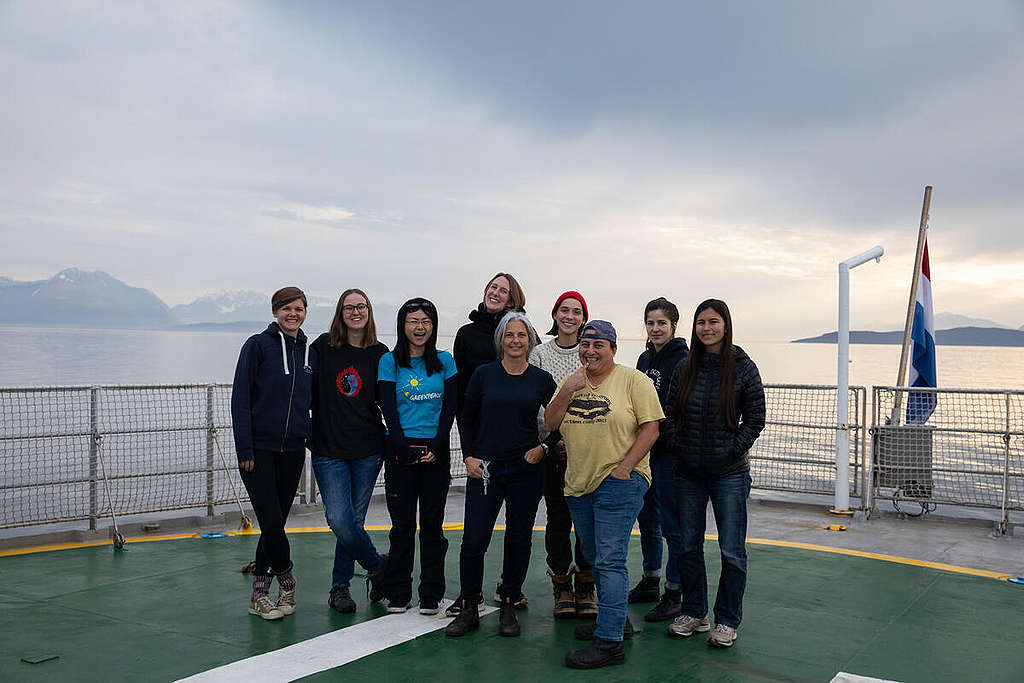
<point>920,406</point>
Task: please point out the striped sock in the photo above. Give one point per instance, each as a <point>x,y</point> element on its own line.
<point>286,581</point>
<point>260,585</point>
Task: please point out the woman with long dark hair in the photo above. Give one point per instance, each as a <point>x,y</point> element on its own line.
<point>659,516</point>
<point>270,401</point>
<point>718,411</point>
<point>348,436</point>
<point>417,387</point>
<point>502,451</point>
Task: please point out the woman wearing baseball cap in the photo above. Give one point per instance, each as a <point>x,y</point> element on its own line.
<point>609,417</point>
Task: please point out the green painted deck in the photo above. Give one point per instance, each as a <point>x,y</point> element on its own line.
<point>167,609</point>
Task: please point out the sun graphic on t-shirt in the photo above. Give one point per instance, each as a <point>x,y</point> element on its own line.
<point>414,382</point>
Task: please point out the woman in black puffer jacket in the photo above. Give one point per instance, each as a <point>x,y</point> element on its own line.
<point>718,411</point>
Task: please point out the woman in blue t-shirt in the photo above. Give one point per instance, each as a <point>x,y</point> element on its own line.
<point>416,386</point>
<point>502,449</point>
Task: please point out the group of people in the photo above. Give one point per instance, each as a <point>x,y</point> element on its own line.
<point>605,445</point>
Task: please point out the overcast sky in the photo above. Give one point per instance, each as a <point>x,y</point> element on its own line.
<point>627,150</point>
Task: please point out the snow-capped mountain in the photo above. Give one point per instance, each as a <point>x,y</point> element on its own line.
<point>79,297</point>
<point>223,307</point>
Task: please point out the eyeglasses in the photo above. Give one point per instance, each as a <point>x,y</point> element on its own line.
<point>349,308</point>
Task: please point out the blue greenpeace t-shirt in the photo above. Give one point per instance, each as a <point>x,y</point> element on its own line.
<point>419,396</point>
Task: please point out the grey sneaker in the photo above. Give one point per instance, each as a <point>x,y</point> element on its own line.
<point>263,607</point>
<point>685,625</point>
<point>286,601</point>
<point>341,600</point>
<point>722,636</point>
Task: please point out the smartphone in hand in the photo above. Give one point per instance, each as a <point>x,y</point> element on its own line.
<point>416,453</point>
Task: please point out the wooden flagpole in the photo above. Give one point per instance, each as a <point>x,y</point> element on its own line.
<point>922,236</point>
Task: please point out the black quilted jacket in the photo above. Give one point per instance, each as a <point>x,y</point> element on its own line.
<point>703,445</point>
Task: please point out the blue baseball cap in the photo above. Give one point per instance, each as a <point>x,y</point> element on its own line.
<point>599,329</point>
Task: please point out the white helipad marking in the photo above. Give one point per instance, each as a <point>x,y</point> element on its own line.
<point>843,677</point>
<point>331,649</point>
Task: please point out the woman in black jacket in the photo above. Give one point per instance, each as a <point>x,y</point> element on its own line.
<point>474,346</point>
<point>659,516</point>
<point>718,411</point>
<point>270,402</point>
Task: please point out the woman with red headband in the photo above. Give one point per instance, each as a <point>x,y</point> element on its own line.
<point>560,357</point>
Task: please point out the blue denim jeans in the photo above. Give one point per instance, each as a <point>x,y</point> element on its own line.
<point>728,496</point>
<point>346,487</point>
<point>604,520</point>
<point>659,518</point>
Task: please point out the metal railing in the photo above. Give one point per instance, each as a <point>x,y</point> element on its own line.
<point>797,449</point>
<point>969,452</point>
<point>85,453</point>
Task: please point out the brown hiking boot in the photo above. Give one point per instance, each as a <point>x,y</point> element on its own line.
<point>565,601</point>
<point>586,594</point>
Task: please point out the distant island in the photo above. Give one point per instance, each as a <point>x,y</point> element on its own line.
<point>957,336</point>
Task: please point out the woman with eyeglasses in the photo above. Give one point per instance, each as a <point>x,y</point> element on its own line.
<point>270,401</point>
<point>501,449</point>
<point>348,437</point>
<point>417,387</point>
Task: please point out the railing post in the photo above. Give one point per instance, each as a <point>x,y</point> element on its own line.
<point>210,436</point>
<point>1005,522</point>
<point>94,421</point>
<point>865,481</point>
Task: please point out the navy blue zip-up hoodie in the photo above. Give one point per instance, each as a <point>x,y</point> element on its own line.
<point>659,367</point>
<point>272,391</point>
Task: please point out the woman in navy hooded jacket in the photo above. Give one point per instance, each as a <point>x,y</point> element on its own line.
<point>659,516</point>
<point>270,402</point>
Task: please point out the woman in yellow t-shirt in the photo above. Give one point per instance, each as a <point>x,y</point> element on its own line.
<point>608,416</point>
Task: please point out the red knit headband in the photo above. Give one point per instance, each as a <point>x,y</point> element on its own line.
<point>571,295</point>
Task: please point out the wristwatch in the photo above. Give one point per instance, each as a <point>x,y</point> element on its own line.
<point>545,447</point>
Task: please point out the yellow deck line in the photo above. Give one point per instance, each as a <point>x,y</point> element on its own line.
<point>457,526</point>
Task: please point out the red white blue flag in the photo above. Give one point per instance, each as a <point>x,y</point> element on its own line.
<point>920,405</point>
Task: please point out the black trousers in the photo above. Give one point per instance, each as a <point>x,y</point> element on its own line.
<point>407,487</point>
<point>271,486</point>
<point>520,492</point>
<point>558,532</point>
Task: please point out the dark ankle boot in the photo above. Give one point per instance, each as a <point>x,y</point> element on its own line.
<point>599,653</point>
<point>670,607</point>
<point>647,590</point>
<point>467,620</point>
<point>508,623</point>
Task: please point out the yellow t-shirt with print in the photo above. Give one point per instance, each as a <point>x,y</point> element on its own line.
<point>601,425</point>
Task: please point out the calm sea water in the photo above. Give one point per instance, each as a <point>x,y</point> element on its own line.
<point>58,356</point>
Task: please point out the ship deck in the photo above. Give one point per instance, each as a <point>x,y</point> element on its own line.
<point>895,599</point>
